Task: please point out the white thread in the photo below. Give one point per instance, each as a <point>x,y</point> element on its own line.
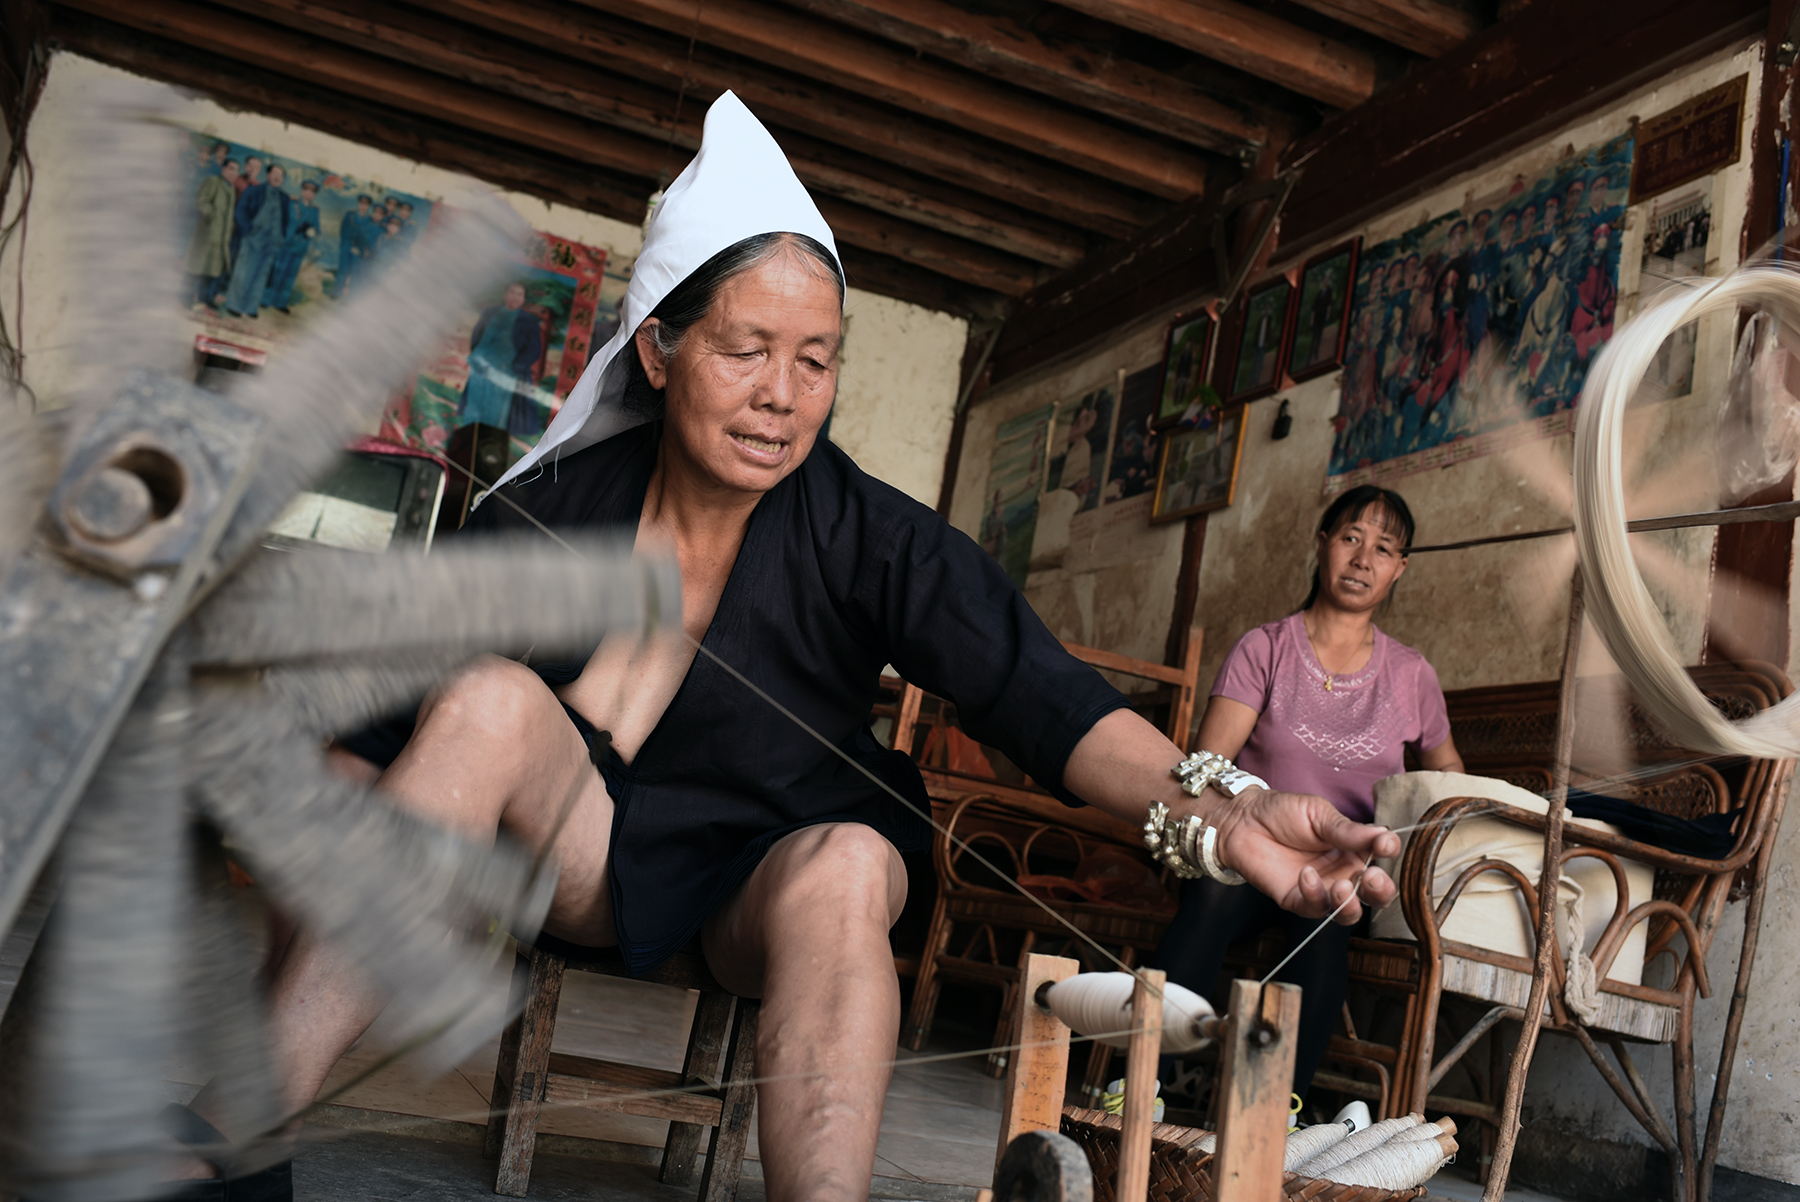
<point>1099,1003</point>
<point>1581,984</point>
<point>1351,1146</point>
<point>1395,1165</point>
<point>1307,1142</point>
<point>1617,600</point>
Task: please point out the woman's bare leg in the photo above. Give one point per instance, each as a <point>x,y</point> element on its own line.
<point>492,749</point>
<point>808,934</point>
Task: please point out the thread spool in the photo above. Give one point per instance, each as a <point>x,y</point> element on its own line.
<point>1352,1146</point>
<point>1395,1165</point>
<point>1308,1142</point>
<point>1444,1126</point>
<point>1098,1004</point>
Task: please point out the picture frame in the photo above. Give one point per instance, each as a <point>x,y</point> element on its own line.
<point>1321,312</point>
<point>1197,468</point>
<point>1260,349</point>
<point>1186,351</point>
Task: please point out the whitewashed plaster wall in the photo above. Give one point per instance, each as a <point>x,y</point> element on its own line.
<point>897,389</point>
<point>1489,616</point>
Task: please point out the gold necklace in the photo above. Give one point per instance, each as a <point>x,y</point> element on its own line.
<point>1367,640</point>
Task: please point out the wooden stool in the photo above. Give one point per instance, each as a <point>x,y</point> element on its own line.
<point>528,1074</point>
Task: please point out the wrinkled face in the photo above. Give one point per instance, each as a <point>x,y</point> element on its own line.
<point>754,379</point>
<point>1360,561</point>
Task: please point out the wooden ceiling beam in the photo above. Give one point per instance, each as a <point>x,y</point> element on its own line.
<point>1252,41</point>
<point>953,257</point>
<point>500,163</point>
<point>1422,26</point>
<point>1004,49</point>
<point>237,86</point>
<point>424,93</point>
<point>799,103</point>
<point>907,81</point>
<point>531,75</point>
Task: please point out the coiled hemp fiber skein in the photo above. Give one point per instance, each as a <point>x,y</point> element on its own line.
<point>1617,600</point>
<point>1395,1165</point>
<point>1307,1142</point>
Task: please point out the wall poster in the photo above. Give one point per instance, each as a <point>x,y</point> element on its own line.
<point>1015,478</point>
<point>276,244</point>
<point>1527,279</point>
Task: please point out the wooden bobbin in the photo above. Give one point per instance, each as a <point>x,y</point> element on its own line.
<point>1037,1072</point>
<point>1256,1080</point>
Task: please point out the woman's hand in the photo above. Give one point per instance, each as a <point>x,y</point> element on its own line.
<point>1301,852</point>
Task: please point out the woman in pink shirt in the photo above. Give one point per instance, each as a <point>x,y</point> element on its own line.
<point>1319,702</point>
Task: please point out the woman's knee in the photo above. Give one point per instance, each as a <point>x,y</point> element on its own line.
<point>844,865</point>
<point>492,698</point>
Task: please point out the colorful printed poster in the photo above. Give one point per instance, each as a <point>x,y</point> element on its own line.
<point>1527,279</point>
<point>514,357</point>
<point>274,243</point>
<point>1015,478</point>
<point>1078,455</point>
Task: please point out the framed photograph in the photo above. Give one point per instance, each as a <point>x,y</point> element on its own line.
<point>1184,366</point>
<point>1256,361</point>
<point>1198,468</point>
<point>1322,314</point>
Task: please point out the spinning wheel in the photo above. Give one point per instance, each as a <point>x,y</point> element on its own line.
<point>165,681</point>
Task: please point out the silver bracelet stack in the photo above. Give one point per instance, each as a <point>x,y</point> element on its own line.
<point>1189,846</point>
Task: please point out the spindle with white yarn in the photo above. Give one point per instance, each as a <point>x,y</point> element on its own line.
<point>1307,1142</point>
<point>1395,1165</point>
<point>1098,1005</point>
<point>1352,1146</point>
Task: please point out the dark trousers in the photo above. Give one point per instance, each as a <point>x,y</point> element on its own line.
<point>1213,916</point>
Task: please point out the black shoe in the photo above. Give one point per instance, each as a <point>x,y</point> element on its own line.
<point>272,1184</point>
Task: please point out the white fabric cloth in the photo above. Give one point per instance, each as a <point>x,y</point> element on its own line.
<point>1491,912</point>
<point>738,186</point>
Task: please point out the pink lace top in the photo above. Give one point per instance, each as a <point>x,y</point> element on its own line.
<point>1335,743</point>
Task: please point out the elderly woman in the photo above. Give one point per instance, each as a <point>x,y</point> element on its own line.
<point>772,837</point>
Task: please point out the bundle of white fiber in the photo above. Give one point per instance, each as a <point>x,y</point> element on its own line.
<point>1351,1146</point>
<point>1396,1165</point>
<point>1444,1126</point>
<point>1620,605</point>
<point>1098,1004</point>
<point>1207,1144</point>
<point>1307,1142</point>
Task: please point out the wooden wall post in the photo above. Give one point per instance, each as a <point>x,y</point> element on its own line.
<point>1255,1082</point>
<point>1037,1072</point>
<point>1133,1182</point>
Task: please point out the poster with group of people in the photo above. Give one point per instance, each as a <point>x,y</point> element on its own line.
<point>1524,285</point>
<point>274,243</point>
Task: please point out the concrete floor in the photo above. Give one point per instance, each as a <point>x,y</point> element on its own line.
<point>402,1135</point>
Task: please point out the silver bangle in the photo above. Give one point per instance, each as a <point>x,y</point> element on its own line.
<point>1205,769</point>
<point>1188,846</point>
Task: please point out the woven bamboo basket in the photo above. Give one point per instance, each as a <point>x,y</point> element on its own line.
<point>1180,1172</point>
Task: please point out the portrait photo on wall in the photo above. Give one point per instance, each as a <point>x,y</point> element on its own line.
<point>1256,360</point>
<point>1675,241</point>
<point>1078,449</point>
<point>1525,281</point>
<point>1131,471</point>
<point>1322,314</point>
<point>1198,469</point>
<point>1015,480</point>
<point>1184,366</point>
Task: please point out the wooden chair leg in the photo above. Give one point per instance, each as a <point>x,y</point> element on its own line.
<point>525,1097</point>
<point>706,1045</point>
<point>1687,1161</point>
<point>725,1157</point>
<point>925,987</point>
<point>506,1065</point>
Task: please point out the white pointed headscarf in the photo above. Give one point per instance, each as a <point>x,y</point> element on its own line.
<point>738,186</point>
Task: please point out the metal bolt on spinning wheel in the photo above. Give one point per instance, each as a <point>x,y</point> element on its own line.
<point>165,681</point>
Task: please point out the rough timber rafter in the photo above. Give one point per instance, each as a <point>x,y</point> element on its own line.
<point>1251,40</point>
<point>801,44</point>
<point>1006,50</point>
<point>527,74</point>
<point>826,113</point>
<point>1422,26</point>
